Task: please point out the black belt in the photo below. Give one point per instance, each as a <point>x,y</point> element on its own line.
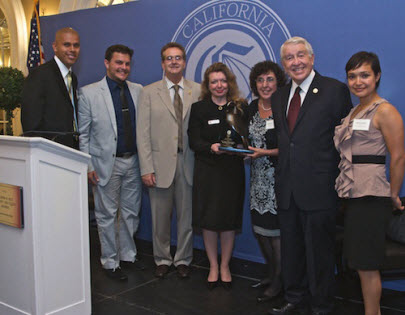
<point>368,159</point>
<point>125,155</point>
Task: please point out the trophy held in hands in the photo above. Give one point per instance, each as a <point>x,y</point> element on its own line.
<point>236,138</point>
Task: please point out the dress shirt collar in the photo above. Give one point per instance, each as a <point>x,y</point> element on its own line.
<point>305,84</point>
<point>114,84</point>
<point>63,69</point>
<point>170,84</point>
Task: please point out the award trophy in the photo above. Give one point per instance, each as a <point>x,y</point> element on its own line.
<point>236,139</point>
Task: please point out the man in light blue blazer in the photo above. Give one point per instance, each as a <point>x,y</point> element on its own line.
<point>107,125</point>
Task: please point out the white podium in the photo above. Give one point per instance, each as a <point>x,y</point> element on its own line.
<point>45,266</point>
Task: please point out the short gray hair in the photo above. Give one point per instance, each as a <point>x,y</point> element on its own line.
<point>295,41</point>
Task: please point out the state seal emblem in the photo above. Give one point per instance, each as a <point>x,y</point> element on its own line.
<point>238,33</point>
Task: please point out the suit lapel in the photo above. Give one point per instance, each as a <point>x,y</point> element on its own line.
<point>164,94</point>
<point>310,98</point>
<point>187,97</point>
<point>108,102</point>
<point>74,86</point>
<point>284,95</point>
<point>60,80</point>
<point>134,95</point>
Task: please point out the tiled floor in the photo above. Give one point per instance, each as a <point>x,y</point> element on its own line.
<point>143,294</point>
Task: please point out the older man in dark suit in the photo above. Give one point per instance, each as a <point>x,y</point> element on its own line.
<point>306,112</point>
<point>49,101</point>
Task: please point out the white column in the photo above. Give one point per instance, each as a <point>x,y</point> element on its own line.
<point>17,27</point>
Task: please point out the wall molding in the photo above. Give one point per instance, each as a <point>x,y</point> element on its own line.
<point>17,27</point>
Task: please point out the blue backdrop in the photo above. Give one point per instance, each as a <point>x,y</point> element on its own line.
<point>240,33</point>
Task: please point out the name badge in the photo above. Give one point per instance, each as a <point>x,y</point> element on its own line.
<point>269,124</point>
<point>361,124</point>
<point>213,122</point>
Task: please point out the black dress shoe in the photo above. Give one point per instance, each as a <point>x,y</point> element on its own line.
<point>116,274</point>
<point>161,271</point>
<point>318,312</point>
<point>264,298</point>
<point>285,308</point>
<point>183,271</point>
<point>267,298</point>
<point>139,265</point>
<point>129,264</point>
<point>227,285</point>
<point>211,285</point>
<point>261,284</point>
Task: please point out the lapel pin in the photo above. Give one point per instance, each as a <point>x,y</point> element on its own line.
<point>315,91</point>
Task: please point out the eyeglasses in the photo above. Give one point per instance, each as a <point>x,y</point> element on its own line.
<point>268,80</point>
<point>170,58</point>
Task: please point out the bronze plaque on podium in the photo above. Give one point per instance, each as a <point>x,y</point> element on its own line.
<point>11,205</point>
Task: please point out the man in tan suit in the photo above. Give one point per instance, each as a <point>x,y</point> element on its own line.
<point>166,160</point>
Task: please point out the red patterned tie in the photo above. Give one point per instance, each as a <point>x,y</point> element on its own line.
<point>294,109</point>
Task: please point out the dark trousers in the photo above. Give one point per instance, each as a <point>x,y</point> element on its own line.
<point>307,255</point>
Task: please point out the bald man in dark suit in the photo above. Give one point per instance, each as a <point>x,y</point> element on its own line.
<point>49,101</point>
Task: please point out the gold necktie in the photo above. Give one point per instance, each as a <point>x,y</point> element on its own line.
<point>69,83</point>
<point>69,87</point>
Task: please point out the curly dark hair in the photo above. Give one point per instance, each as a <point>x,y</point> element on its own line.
<point>263,68</point>
<point>233,90</point>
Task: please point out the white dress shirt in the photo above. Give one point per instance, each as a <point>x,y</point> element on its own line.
<point>304,89</point>
<point>170,85</point>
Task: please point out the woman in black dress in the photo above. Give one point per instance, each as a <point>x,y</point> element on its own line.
<point>219,178</point>
<point>265,78</point>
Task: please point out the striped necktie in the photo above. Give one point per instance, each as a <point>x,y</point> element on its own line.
<point>69,87</point>
<point>178,108</point>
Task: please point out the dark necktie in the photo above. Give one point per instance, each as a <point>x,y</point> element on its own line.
<point>178,108</point>
<point>126,118</point>
<point>294,109</point>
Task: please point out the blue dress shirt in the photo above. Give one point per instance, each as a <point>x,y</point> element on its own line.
<point>115,94</point>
